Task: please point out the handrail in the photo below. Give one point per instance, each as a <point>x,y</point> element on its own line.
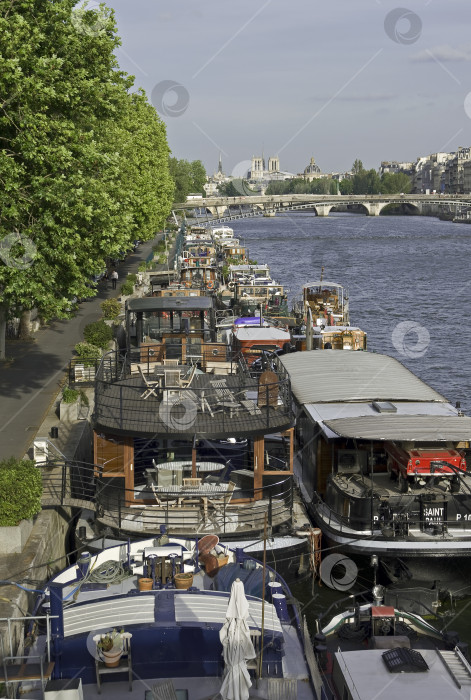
<point>80,481</point>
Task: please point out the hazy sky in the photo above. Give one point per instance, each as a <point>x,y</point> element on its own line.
<point>341,80</point>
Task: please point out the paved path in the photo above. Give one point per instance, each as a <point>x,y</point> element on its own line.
<point>29,384</point>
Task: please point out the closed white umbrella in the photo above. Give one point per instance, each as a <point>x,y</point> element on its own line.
<point>237,645</point>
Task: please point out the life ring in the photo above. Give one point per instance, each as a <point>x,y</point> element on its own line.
<point>231,285</point>
<point>210,284</point>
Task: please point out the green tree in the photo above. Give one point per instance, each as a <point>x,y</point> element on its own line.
<point>346,186</point>
<point>373,182</point>
<point>72,142</point>
<point>393,183</point>
<point>198,174</point>
<point>357,167</point>
<point>188,177</point>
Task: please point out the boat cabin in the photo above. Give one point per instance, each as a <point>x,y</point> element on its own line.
<point>161,319</point>
<point>252,340</point>
<point>221,232</point>
<point>352,408</point>
<point>328,302</point>
<point>334,338</point>
<point>249,274</point>
<point>248,298</point>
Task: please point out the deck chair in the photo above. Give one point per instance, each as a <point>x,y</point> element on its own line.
<point>172,379</point>
<point>222,391</point>
<point>220,504</point>
<point>192,481</point>
<point>251,407</point>
<point>186,382</point>
<point>170,362</point>
<point>164,690</point>
<point>160,502</point>
<point>253,664</point>
<point>151,386</point>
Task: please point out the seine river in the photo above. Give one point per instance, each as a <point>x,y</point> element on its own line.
<point>409,280</point>
<point>410,289</point>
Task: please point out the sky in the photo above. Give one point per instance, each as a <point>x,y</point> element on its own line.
<point>296,79</point>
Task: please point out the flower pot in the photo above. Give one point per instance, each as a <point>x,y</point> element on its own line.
<point>212,563</point>
<point>183,581</point>
<point>112,657</point>
<point>145,584</point>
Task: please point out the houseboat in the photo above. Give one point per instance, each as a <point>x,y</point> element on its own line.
<point>149,619</point>
<point>186,439</point>
<point>328,302</point>
<point>374,650</point>
<point>381,457</point>
<point>197,264</point>
<point>221,232</point>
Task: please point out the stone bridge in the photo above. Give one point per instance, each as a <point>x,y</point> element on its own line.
<point>229,208</point>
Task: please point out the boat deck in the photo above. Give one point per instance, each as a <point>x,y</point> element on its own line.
<point>176,613</point>
<point>383,485</point>
<point>205,409</point>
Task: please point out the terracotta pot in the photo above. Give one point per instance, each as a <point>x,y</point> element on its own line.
<point>112,657</point>
<point>183,581</point>
<point>145,584</point>
<point>212,564</point>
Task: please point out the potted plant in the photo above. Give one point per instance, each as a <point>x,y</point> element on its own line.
<point>110,647</point>
<point>71,403</point>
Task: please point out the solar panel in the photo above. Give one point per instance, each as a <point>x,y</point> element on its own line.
<point>401,660</point>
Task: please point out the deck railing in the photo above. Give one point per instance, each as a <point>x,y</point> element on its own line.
<point>217,405</point>
<point>82,484</point>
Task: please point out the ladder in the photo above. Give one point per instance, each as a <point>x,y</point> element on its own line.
<point>457,666</point>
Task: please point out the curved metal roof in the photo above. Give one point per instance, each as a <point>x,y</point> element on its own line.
<point>150,304</point>
<point>396,427</point>
<point>326,376</point>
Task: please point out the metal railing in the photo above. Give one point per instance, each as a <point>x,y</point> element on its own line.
<point>215,405</point>
<point>398,526</point>
<point>79,482</point>
<point>82,371</point>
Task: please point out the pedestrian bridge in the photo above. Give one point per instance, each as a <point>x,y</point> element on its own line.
<point>229,208</point>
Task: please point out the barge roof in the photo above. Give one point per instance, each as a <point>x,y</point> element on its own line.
<point>325,414</point>
<point>150,304</point>
<point>394,427</point>
<point>328,376</point>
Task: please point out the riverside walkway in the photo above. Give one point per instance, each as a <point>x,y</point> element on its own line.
<point>32,376</point>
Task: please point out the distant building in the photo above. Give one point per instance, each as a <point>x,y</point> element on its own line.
<point>454,176</point>
<point>393,166</point>
<point>259,174</point>
<point>443,172</point>
<point>211,186</point>
<point>312,171</point>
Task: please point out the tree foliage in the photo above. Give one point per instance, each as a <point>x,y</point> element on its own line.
<point>188,177</point>
<point>83,161</point>
<point>21,489</point>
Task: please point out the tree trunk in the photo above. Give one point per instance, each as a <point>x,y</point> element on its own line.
<point>3,328</point>
<point>25,325</point>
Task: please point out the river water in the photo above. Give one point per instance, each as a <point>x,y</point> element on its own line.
<point>410,289</point>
